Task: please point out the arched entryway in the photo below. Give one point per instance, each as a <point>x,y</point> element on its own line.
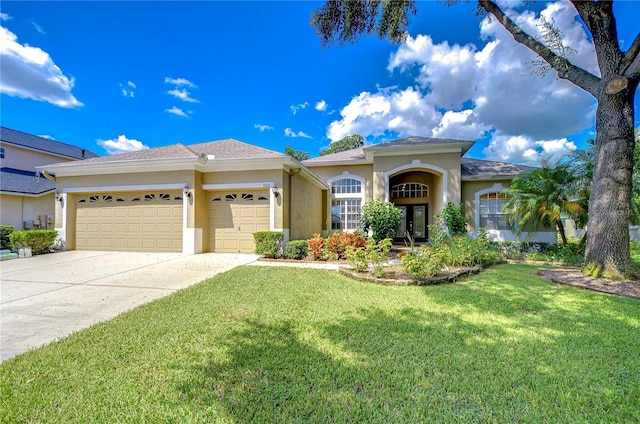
<point>418,193</point>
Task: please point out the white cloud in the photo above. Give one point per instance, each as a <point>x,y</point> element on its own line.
<point>183,95</point>
<point>176,111</point>
<point>523,149</point>
<point>405,112</point>
<point>179,82</point>
<point>472,91</point>
<point>4,16</point>
<point>122,144</point>
<point>29,72</point>
<point>288,132</point>
<point>321,106</point>
<point>262,127</point>
<point>127,89</point>
<point>296,108</point>
<point>47,136</point>
<point>39,28</point>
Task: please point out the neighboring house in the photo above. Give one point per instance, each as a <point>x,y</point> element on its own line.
<point>213,196</point>
<point>27,200</point>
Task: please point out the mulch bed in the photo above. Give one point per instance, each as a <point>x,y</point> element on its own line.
<point>573,277</point>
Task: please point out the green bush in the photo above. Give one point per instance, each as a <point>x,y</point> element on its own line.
<point>357,258</point>
<point>5,231</point>
<point>269,243</point>
<point>373,254</point>
<point>382,218</point>
<point>426,263</point>
<point>453,216</point>
<point>40,241</point>
<point>296,249</point>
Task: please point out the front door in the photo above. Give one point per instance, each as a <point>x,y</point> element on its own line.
<point>413,222</point>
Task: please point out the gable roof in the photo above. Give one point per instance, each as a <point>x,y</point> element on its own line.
<point>228,149</point>
<point>232,149</point>
<point>363,154</point>
<point>19,138</point>
<point>21,182</point>
<point>174,151</point>
<point>356,154</point>
<point>419,142</point>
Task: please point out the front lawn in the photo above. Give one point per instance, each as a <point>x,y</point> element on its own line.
<point>263,344</point>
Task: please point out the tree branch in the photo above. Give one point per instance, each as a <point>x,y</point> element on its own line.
<point>631,60</point>
<point>566,70</point>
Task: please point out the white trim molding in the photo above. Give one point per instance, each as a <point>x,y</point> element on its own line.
<point>417,163</point>
<point>337,196</point>
<point>508,235</point>
<point>137,187</point>
<point>255,185</point>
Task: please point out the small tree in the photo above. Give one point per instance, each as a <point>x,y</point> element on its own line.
<point>382,218</point>
<point>453,216</point>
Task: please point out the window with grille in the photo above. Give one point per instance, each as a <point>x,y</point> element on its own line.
<point>346,186</point>
<point>492,217</point>
<point>409,190</point>
<point>346,204</point>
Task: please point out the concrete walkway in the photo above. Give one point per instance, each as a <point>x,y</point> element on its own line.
<point>48,297</point>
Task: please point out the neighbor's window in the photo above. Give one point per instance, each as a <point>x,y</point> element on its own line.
<point>492,217</point>
<point>346,204</point>
<point>1,152</point>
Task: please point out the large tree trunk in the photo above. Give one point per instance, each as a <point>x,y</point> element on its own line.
<point>607,252</point>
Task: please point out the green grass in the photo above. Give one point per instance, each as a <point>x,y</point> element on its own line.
<point>262,344</point>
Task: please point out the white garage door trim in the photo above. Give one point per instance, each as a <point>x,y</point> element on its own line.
<point>256,186</point>
<point>188,237</point>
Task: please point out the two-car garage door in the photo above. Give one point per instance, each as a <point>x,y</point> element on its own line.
<point>148,221</point>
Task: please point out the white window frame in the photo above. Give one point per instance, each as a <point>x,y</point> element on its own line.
<point>346,196</point>
<point>508,235</point>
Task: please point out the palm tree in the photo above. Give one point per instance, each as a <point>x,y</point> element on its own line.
<point>541,197</point>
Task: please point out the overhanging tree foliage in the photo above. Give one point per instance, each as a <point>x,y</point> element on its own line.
<point>349,142</point>
<point>296,154</point>
<point>607,251</point>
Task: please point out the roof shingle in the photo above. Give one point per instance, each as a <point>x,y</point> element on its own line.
<point>20,138</point>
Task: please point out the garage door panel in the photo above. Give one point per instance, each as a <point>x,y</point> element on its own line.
<point>234,219</point>
<point>129,223</point>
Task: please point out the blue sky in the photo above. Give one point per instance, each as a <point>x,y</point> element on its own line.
<point>120,76</point>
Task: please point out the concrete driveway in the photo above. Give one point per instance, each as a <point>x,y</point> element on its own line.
<point>48,297</point>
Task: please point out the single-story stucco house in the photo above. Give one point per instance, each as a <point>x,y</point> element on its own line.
<point>212,197</point>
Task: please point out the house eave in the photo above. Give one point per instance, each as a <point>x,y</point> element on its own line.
<point>491,177</point>
<point>339,163</point>
<point>23,194</point>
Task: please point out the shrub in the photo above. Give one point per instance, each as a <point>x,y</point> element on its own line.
<point>269,243</point>
<point>334,246</point>
<point>437,231</point>
<point>5,231</point>
<point>357,258</point>
<point>40,241</point>
<point>381,217</point>
<point>317,248</point>
<point>453,217</point>
<point>425,264</point>
<point>373,254</point>
<point>337,243</point>
<point>296,249</point>
<point>354,239</point>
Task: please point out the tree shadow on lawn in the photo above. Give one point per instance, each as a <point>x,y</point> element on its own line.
<point>408,365</point>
